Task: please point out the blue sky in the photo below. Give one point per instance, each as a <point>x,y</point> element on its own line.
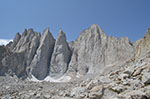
<point>118,18</point>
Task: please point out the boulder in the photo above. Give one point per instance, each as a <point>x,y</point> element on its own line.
<point>146,78</point>
<point>77,91</point>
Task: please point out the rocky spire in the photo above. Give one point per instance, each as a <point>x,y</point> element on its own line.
<point>23,52</point>
<point>61,56</point>
<point>13,44</point>
<point>16,39</point>
<point>40,64</point>
<point>88,54</point>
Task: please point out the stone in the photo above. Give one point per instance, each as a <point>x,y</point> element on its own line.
<point>129,70</point>
<point>3,52</point>
<point>77,91</point>
<point>85,58</point>
<point>108,94</point>
<point>137,94</point>
<point>15,62</point>
<point>96,92</point>
<point>97,88</point>
<point>95,95</point>
<point>25,40</point>
<point>124,76</point>
<point>40,63</point>
<point>16,40</point>
<point>93,83</point>
<point>22,51</point>
<point>61,56</point>
<point>146,78</point>
<point>118,51</point>
<point>93,51</point>
<point>138,71</point>
<point>142,46</point>
<point>118,89</point>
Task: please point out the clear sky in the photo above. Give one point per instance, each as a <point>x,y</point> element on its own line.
<point>118,18</point>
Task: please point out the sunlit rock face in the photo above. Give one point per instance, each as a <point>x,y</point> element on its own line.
<point>93,51</point>
<point>142,46</point>
<point>61,56</point>
<point>40,63</point>
<point>22,50</point>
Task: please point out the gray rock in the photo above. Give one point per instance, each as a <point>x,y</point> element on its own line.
<point>3,53</point>
<point>28,43</point>
<point>61,56</point>
<point>95,95</point>
<point>137,94</point>
<point>96,92</point>
<point>142,46</point>
<point>16,40</point>
<point>118,51</point>
<point>22,52</point>
<point>118,89</point>
<point>93,51</point>
<point>92,83</point>
<point>146,78</point>
<point>15,62</point>
<point>25,40</point>
<point>40,63</point>
<point>88,54</point>
<point>108,94</point>
<point>77,91</point>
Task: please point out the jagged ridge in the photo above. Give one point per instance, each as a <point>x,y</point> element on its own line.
<point>40,55</point>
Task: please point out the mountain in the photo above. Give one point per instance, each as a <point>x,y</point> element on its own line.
<point>94,66</point>
<point>93,51</point>
<point>61,56</point>
<point>40,55</point>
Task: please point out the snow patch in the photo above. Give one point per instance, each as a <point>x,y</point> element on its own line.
<point>61,79</point>
<point>4,41</point>
<point>34,79</point>
<point>50,79</point>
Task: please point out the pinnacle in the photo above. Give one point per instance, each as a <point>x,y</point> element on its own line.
<point>46,30</point>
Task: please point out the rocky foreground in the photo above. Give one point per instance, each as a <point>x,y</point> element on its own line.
<point>130,81</point>
<point>94,66</point>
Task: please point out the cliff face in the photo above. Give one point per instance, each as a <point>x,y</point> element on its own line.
<point>40,63</point>
<point>60,57</point>
<point>142,46</point>
<point>40,55</point>
<point>93,51</point>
